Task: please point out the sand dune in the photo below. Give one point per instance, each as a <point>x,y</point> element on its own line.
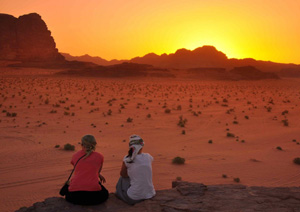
<point>52,110</point>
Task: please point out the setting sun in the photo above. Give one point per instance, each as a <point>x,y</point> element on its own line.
<point>263,30</point>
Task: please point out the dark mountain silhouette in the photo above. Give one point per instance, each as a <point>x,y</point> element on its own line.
<point>206,56</point>
<point>95,60</point>
<point>120,70</point>
<point>290,72</point>
<point>27,38</point>
<point>202,57</point>
<point>250,73</point>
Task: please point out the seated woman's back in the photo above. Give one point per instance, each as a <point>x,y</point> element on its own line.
<point>86,172</point>
<point>140,174</point>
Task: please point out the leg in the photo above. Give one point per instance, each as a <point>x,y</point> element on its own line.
<point>121,191</point>
<point>87,197</point>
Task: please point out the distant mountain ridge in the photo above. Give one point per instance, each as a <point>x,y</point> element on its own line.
<point>87,58</point>
<point>202,57</point>
<point>28,41</point>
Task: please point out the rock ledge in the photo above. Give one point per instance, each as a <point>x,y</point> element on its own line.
<point>192,197</point>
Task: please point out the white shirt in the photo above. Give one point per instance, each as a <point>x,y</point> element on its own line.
<point>140,175</point>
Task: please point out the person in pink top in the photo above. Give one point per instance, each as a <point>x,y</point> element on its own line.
<point>86,184</point>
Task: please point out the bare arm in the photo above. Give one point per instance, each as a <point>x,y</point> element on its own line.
<point>102,179</point>
<point>123,171</point>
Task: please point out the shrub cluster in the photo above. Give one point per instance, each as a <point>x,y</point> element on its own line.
<point>178,160</point>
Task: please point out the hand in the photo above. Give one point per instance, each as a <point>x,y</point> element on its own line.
<point>102,179</point>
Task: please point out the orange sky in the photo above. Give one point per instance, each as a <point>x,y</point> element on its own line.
<point>122,29</point>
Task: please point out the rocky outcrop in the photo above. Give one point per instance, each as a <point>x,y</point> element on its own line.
<point>96,60</point>
<point>192,197</point>
<point>205,56</point>
<point>251,73</point>
<point>120,70</point>
<point>26,38</point>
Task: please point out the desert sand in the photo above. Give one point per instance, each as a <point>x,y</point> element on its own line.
<point>40,110</point>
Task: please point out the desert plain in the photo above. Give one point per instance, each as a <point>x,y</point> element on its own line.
<point>230,129</point>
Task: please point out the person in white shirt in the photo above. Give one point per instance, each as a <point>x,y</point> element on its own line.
<point>135,183</point>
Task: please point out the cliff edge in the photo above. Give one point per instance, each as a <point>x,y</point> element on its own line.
<point>186,196</point>
<point>27,38</point>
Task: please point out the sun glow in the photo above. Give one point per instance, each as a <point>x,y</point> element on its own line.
<point>119,29</point>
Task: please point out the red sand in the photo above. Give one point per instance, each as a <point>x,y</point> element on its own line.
<point>32,169</point>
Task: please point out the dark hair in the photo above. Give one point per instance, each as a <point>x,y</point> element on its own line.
<point>130,151</point>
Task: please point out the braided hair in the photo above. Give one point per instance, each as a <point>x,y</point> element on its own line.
<point>89,143</point>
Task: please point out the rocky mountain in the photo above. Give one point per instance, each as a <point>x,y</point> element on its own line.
<point>251,73</point>
<point>26,38</point>
<point>206,56</point>
<point>95,60</point>
<point>193,197</point>
<point>199,58</point>
<point>120,70</point>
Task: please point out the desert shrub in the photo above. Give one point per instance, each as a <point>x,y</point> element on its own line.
<point>224,175</point>
<point>194,113</point>
<point>167,110</point>
<point>230,134</point>
<point>57,146</point>
<point>210,141</point>
<point>246,117</point>
<point>149,115</point>
<point>179,107</point>
<point>236,179</point>
<point>109,112</point>
<point>183,132</point>
<point>129,119</point>
<point>235,122</point>
<point>69,147</point>
<point>285,122</point>
<point>178,178</point>
<point>284,112</point>
<point>178,160</point>
<point>297,161</point>
<point>269,109</point>
<point>66,113</point>
<point>279,148</point>
<point>243,141</point>
<point>181,121</point>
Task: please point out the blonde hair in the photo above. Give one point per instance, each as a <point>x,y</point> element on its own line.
<point>89,143</point>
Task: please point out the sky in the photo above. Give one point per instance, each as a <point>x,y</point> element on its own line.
<point>122,29</point>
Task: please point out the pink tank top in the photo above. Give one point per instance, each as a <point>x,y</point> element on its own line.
<point>85,176</point>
